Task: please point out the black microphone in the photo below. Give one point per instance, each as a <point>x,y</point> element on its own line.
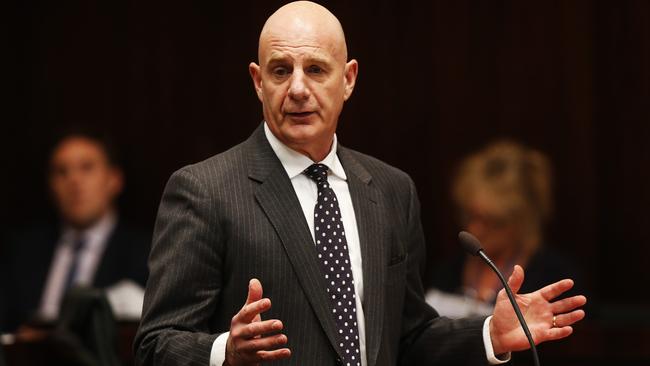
<point>473,247</point>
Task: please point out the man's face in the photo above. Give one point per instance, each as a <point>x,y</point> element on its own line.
<point>83,182</point>
<point>302,82</point>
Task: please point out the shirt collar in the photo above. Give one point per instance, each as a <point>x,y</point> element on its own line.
<point>295,163</point>
<point>95,235</point>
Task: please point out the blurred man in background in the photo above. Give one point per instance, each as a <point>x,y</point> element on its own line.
<point>503,195</point>
<point>89,247</point>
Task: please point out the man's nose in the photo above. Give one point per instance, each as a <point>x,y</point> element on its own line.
<point>298,88</point>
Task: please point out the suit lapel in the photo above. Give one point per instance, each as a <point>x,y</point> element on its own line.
<point>371,224</point>
<point>278,200</point>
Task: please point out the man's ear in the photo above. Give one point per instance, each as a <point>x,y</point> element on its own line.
<point>351,71</point>
<point>115,181</point>
<point>256,75</point>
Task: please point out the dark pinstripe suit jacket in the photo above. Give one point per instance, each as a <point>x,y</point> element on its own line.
<point>236,216</point>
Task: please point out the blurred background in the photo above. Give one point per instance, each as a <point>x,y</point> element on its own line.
<point>438,80</point>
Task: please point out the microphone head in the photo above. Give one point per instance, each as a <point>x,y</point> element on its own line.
<point>469,243</point>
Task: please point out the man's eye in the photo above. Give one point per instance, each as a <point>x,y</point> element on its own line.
<point>60,171</point>
<point>280,71</point>
<point>314,69</point>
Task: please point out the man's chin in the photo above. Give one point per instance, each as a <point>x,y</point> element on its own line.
<point>301,129</point>
<point>301,118</point>
<point>83,220</point>
<point>300,132</point>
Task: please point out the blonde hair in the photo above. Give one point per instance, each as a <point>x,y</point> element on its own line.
<point>517,180</point>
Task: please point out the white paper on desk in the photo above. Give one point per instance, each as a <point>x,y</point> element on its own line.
<point>126,298</point>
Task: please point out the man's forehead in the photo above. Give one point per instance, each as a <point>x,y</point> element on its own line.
<point>76,147</point>
<point>286,53</point>
<point>301,30</point>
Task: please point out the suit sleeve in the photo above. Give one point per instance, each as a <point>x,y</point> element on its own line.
<point>427,338</point>
<point>185,278</point>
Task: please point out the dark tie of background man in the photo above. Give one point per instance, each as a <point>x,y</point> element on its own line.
<point>335,263</point>
<point>78,245</point>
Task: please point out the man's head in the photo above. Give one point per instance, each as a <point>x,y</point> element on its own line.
<point>84,179</point>
<point>303,77</point>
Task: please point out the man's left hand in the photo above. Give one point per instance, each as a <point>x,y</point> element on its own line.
<point>538,310</point>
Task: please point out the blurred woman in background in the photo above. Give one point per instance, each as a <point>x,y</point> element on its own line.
<point>503,195</point>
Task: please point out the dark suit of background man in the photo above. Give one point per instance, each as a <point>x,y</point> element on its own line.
<point>90,247</point>
<point>256,213</point>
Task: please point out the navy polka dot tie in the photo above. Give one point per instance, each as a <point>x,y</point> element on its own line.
<point>335,263</point>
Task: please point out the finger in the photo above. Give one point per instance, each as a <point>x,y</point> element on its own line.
<point>556,289</point>
<point>557,333</point>
<point>254,291</point>
<point>562,320</point>
<point>259,328</point>
<point>278,354</point>
<point>516,279</point>
<point>568,304</point>
<point>262,344</point>
<point>248,313</point>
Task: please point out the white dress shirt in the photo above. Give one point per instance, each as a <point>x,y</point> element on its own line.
<point>90,255</point>
<point>294,164</point>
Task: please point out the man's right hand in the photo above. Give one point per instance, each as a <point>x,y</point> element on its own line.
<point>246,343</point>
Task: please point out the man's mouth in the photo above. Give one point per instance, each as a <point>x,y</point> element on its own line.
<point>299,115</point>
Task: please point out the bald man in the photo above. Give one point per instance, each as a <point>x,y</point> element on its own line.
<point>292,249</point>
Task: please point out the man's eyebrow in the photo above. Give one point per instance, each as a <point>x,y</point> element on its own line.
<point>318,59</point>
<point>274,59</point>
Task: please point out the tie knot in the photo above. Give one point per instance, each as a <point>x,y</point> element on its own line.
<point>317,172</point>
<point>78,244</point>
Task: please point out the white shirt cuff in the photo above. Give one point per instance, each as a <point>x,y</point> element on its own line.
<point>218,352</point>
<point>487,342</point>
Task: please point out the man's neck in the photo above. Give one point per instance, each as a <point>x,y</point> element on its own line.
<point>105,219</point>
<point>315,153</point>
